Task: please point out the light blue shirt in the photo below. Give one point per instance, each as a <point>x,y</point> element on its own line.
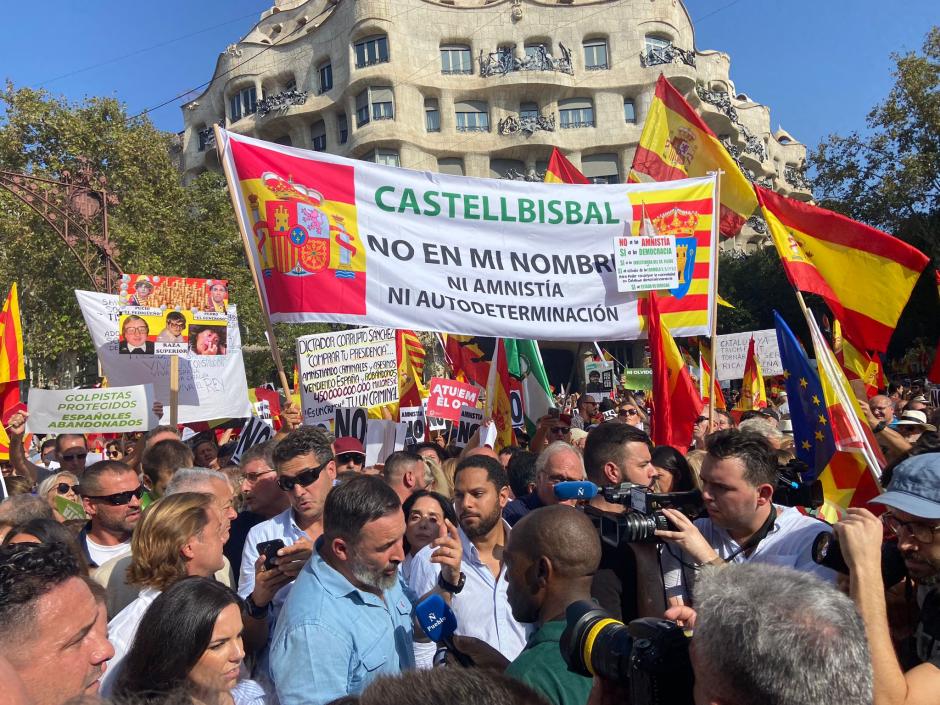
<point>333,639</point>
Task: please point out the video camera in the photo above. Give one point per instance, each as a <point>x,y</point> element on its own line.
<point>828,552</point>
<point>793,491</point>
<point>648,657</point>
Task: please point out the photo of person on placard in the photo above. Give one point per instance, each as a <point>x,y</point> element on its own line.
<point>207,340</point>
<point>143,288</point>
<point>134,332</point>
<point>173,332</point>
<point>218,297</point>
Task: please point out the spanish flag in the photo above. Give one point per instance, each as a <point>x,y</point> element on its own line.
<point>706,380</point>
<point>498,405</point>
<point>410,368</point>
<point>753,393</point>
<point>857,364</point>
<point>865,275</point>
<point>561,171</point>
<point>12,362</point>
<point>676,144</point>
<point>677,403</point>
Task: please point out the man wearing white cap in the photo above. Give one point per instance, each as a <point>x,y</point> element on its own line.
<point>913,515</point>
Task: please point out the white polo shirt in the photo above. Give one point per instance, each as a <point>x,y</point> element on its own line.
<point>789,544</point>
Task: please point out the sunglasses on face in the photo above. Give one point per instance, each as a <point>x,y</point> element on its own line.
<point>64,487</point>
<point>344,458</point>
<point>72,457</point>
<point>304,478</point>
<point>560,430</point>
<point>119,499</point>
<point>627,412</point>
<point>113,453</point>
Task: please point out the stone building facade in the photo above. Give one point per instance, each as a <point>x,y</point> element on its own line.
<point>480,87</point>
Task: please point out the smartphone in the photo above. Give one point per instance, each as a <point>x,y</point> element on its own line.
<point>269,550</point>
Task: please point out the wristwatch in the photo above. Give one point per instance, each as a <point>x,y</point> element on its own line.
<point>443,584</point>
<point>879,427</point>
<point>254,611</point>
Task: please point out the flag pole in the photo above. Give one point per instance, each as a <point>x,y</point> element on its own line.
<point>174,389</point>
<point>249,254</point>
<point>713,351</point>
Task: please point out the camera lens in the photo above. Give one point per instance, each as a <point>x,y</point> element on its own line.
<point>639,527</point>
<point>594,643</point>
<point>827,552</point>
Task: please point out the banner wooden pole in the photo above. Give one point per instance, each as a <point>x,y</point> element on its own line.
<point>713,352</point>
<point>174,389</point>
<point>249,254</point>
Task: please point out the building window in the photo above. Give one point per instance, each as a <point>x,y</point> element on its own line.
<point>388,157</point>
<point>576,112</point>
<point>601,168</point>
<point>537,50</point>
<point>284,140</point>
<point>507,169</point>
<point>325,73</point>
<point>456,59</point>
<point>318,136</point>
<point>375,103</point>
<point>528,111</point>
<point>432,115</point>
<point>342,126</point>
<point>371,50</point>
<point>472,116</point>
<point>450,165</point>
<point>242,103</point>
<point>656,42</point>
<point>595,55</point>
<point>629,111</point>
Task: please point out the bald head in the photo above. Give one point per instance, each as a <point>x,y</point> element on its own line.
<point>482,450</point>
<point>882,408</point>
<point>564,536</point>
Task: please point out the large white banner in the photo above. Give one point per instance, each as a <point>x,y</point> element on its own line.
<point>347,368</point>
<point>104,410</point>
<point>345,241</point>
<point>731,354</point>
<point>211,387</point>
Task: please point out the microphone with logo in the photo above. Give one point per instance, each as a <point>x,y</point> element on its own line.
<point>580,490</point>
<point>439,622</point>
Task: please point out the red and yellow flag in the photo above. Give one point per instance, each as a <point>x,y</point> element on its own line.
<point>865,275</point>
<point>706,380</point>
<point>12,362</point>
<point>410,368</point>
<point>498,405</point>
<point>676,401</point>
<point>857,364</point>
<point>753,393</point>
<point>676,143</point>
<point>561,171</point>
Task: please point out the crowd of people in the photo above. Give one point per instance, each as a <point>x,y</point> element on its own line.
<point>298,574</point>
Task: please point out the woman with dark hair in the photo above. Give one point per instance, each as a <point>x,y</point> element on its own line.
<point>189,644</point>
<point>425,513</point>
<point>675,475</point>
<point>47,531</point>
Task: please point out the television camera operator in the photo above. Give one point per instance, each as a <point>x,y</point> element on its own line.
<point>743,524</point>
<point>913,515</point>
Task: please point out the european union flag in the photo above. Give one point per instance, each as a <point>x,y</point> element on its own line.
<point>812,430</point>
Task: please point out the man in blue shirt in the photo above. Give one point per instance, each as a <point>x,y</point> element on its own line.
<point>347,619</point>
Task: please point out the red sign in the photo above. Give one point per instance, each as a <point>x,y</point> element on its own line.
<point>447,397</point>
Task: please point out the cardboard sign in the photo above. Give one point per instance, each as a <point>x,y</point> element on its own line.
<point>470,420</point>
<point>516,408</point>
<point>351,422</point>
<point>446,398</point>
<point>417,424</point>
<point>599,378</point>
<point>68,509</point>
<point>254,432</point>
<point>382,439</point>
<point>349,368</point>
<point>111,410</point>
<point>647,262</point>
<point>731,354</point>
<point>637,378</point>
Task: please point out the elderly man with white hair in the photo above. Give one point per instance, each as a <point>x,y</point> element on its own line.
<point>559,462</point>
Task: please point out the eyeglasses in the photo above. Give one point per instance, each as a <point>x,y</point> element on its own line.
<point>176,324</point>
<point>136,329</point>
<point>560,430</point>
<point>114,453</point>
<point>72,457</point>
<point>344,458</point>
<point>253,477</point>
<point>119,499</point>
<point>627,412</point>
<point>303,478</point>
<point>922,533</point>
<point>64,487</point>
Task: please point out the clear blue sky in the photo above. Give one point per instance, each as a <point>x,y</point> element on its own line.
<point>820,65</point>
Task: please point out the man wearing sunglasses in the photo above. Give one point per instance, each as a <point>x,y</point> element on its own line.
<point>111,493</point>
<point>913,515</point>
<point>71,451</point>
<point>305,470</point>
<point>350,454</point>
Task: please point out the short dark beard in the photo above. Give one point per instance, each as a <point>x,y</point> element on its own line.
<point>485,526</point>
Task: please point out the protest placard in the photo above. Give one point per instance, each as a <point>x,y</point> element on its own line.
<point>254,432</point>
<point>600,378</point>
<point>382,439</point>
<point>446,397</point>
<point>349,368</point>
<point>637,378</point>
<point>470,420</point>
<point>210,387</point>
<point>68,509</point>
<point>349,422</point>
<point>417,423</point>
<point>731,354</point>
<point>338,240</point>
<point>646,262</point>
<point>111,410</point>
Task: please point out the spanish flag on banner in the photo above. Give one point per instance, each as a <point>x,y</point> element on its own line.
<point>676,402</point>
<point>561,171</point>
<point>753,393</point>
<point>865,275</point>
<point>12,362</point>
<point>676,143</point>
<point>706,380</point>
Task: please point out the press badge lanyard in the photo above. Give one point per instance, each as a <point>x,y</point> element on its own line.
<point>761,534</point>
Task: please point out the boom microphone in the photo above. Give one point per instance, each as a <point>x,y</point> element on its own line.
<point>575,489</point>
<point>439,622</point>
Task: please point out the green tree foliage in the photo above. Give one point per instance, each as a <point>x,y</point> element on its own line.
<point>158,226</point>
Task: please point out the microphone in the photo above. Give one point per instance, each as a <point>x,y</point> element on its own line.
<point>439,622</point>
<point>575,489</point>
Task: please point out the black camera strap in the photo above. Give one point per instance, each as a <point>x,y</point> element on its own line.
<point>761,534</point>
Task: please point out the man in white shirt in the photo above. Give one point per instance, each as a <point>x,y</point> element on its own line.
<point>481,491</point>
<point>111,493</point>
<point>739,475</point>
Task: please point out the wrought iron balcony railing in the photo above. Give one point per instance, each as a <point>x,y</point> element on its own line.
<point>526,124</point>
<point>500,63</point>
<point>669,54</point>
<point>281,101</point>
